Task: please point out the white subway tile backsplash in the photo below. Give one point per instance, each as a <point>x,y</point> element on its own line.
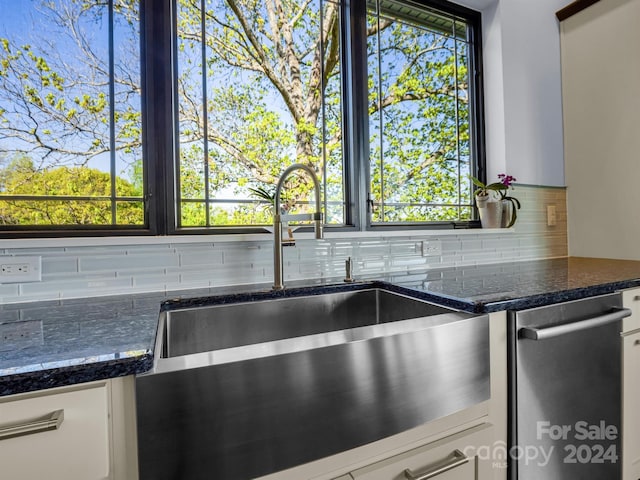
<point>34,251</point>
<point>243,254</point>
<point>155,282</point>
<point>408,261</point>
<point>312,249</point>
<point>400,248</point>
<point>127,262</point>
<point>96,286</point>
<point>81,271</point>
<point>150,249</point>
<point>200,257</point>
<point>96,250</point>
<point>342,249</point>
<point>58,265</point>
<point>451,245</point>
<point>197,279</point>
<point>373,265</point>
<point>372,248</point>
<point>473,258</point>
<point>9,292</point>
<point>498,243</point>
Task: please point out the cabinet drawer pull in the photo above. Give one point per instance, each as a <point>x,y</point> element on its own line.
<point>637,342</point>
<point>50,422</point>
<point>636,298</point>
<point>454,460</point>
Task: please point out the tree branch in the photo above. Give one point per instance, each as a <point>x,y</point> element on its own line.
<point>264,61</point>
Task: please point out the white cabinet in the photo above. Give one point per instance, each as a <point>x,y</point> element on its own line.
<point>631,388</point>
<point>631,407</point>
<point>631,299</point>
<point>452,458</point>
<point>95,439</point>
<point>65,434</point>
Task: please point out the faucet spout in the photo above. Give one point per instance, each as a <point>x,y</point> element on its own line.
<point>278,218</point>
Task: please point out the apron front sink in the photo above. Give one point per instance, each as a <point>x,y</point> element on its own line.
<point>246,389</point>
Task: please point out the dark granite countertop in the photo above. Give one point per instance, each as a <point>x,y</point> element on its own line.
<point>522,285</point>
<point>80,340</point>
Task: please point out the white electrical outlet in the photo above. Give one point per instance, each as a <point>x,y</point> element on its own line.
<point>552,218</point>
<point>431,248</point>
<point>20,269</point>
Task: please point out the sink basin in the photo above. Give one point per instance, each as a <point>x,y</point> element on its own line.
<point>244,389</point>
<point>218,327</point>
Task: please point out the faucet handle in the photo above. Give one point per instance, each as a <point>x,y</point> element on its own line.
<point>348,265</point>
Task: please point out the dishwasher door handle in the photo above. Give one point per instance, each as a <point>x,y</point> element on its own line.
<point>542,333</point>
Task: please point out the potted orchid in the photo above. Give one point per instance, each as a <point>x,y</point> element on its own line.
<point>496,208</point>
<point>509,204</point>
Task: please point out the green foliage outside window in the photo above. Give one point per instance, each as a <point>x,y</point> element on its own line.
<point>260,85</point>
<point>70,116</point>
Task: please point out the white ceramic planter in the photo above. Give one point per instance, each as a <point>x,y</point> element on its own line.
<point>490,211</point>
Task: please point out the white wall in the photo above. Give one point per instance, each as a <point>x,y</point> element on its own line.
<point>523,97</point>
<point>601,71</point>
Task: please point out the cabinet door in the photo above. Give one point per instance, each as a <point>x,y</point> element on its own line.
<point>75,447</point>
<point>631,299</point>
<point>631,407</point>
<point>452,458</point>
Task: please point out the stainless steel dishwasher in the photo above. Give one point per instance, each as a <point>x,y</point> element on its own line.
<point>565,390</point>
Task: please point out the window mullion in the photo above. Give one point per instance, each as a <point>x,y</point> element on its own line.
<point>355,105</point>
<point>158,43</point>
<point>112,117</point>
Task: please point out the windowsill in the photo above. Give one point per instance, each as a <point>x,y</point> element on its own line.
<point>252,237</point>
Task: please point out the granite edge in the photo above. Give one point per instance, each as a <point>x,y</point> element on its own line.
<point>541,300</point>
<point>64,376</point>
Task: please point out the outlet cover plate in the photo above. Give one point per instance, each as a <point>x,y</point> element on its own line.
<point>20,269</point>
<point>552,218</point>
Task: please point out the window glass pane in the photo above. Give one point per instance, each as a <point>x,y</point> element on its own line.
<point>191,126</point>
<point>127,105</point>
<point>192,214</point>
<point>259,90</point>
<point>464,130</point>
<point>70,142</point>
<point>419,115</point>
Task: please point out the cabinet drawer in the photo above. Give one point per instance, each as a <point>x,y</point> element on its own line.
<point>631,299</point>
<point>78,448</point>
<point>451,458</point>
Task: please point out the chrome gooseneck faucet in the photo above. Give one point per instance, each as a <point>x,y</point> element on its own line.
<point>278,218</point>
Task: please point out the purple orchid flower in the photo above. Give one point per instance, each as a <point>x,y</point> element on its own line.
<point>506,180</point>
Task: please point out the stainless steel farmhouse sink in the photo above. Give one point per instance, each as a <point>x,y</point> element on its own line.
<point>244,389</point>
